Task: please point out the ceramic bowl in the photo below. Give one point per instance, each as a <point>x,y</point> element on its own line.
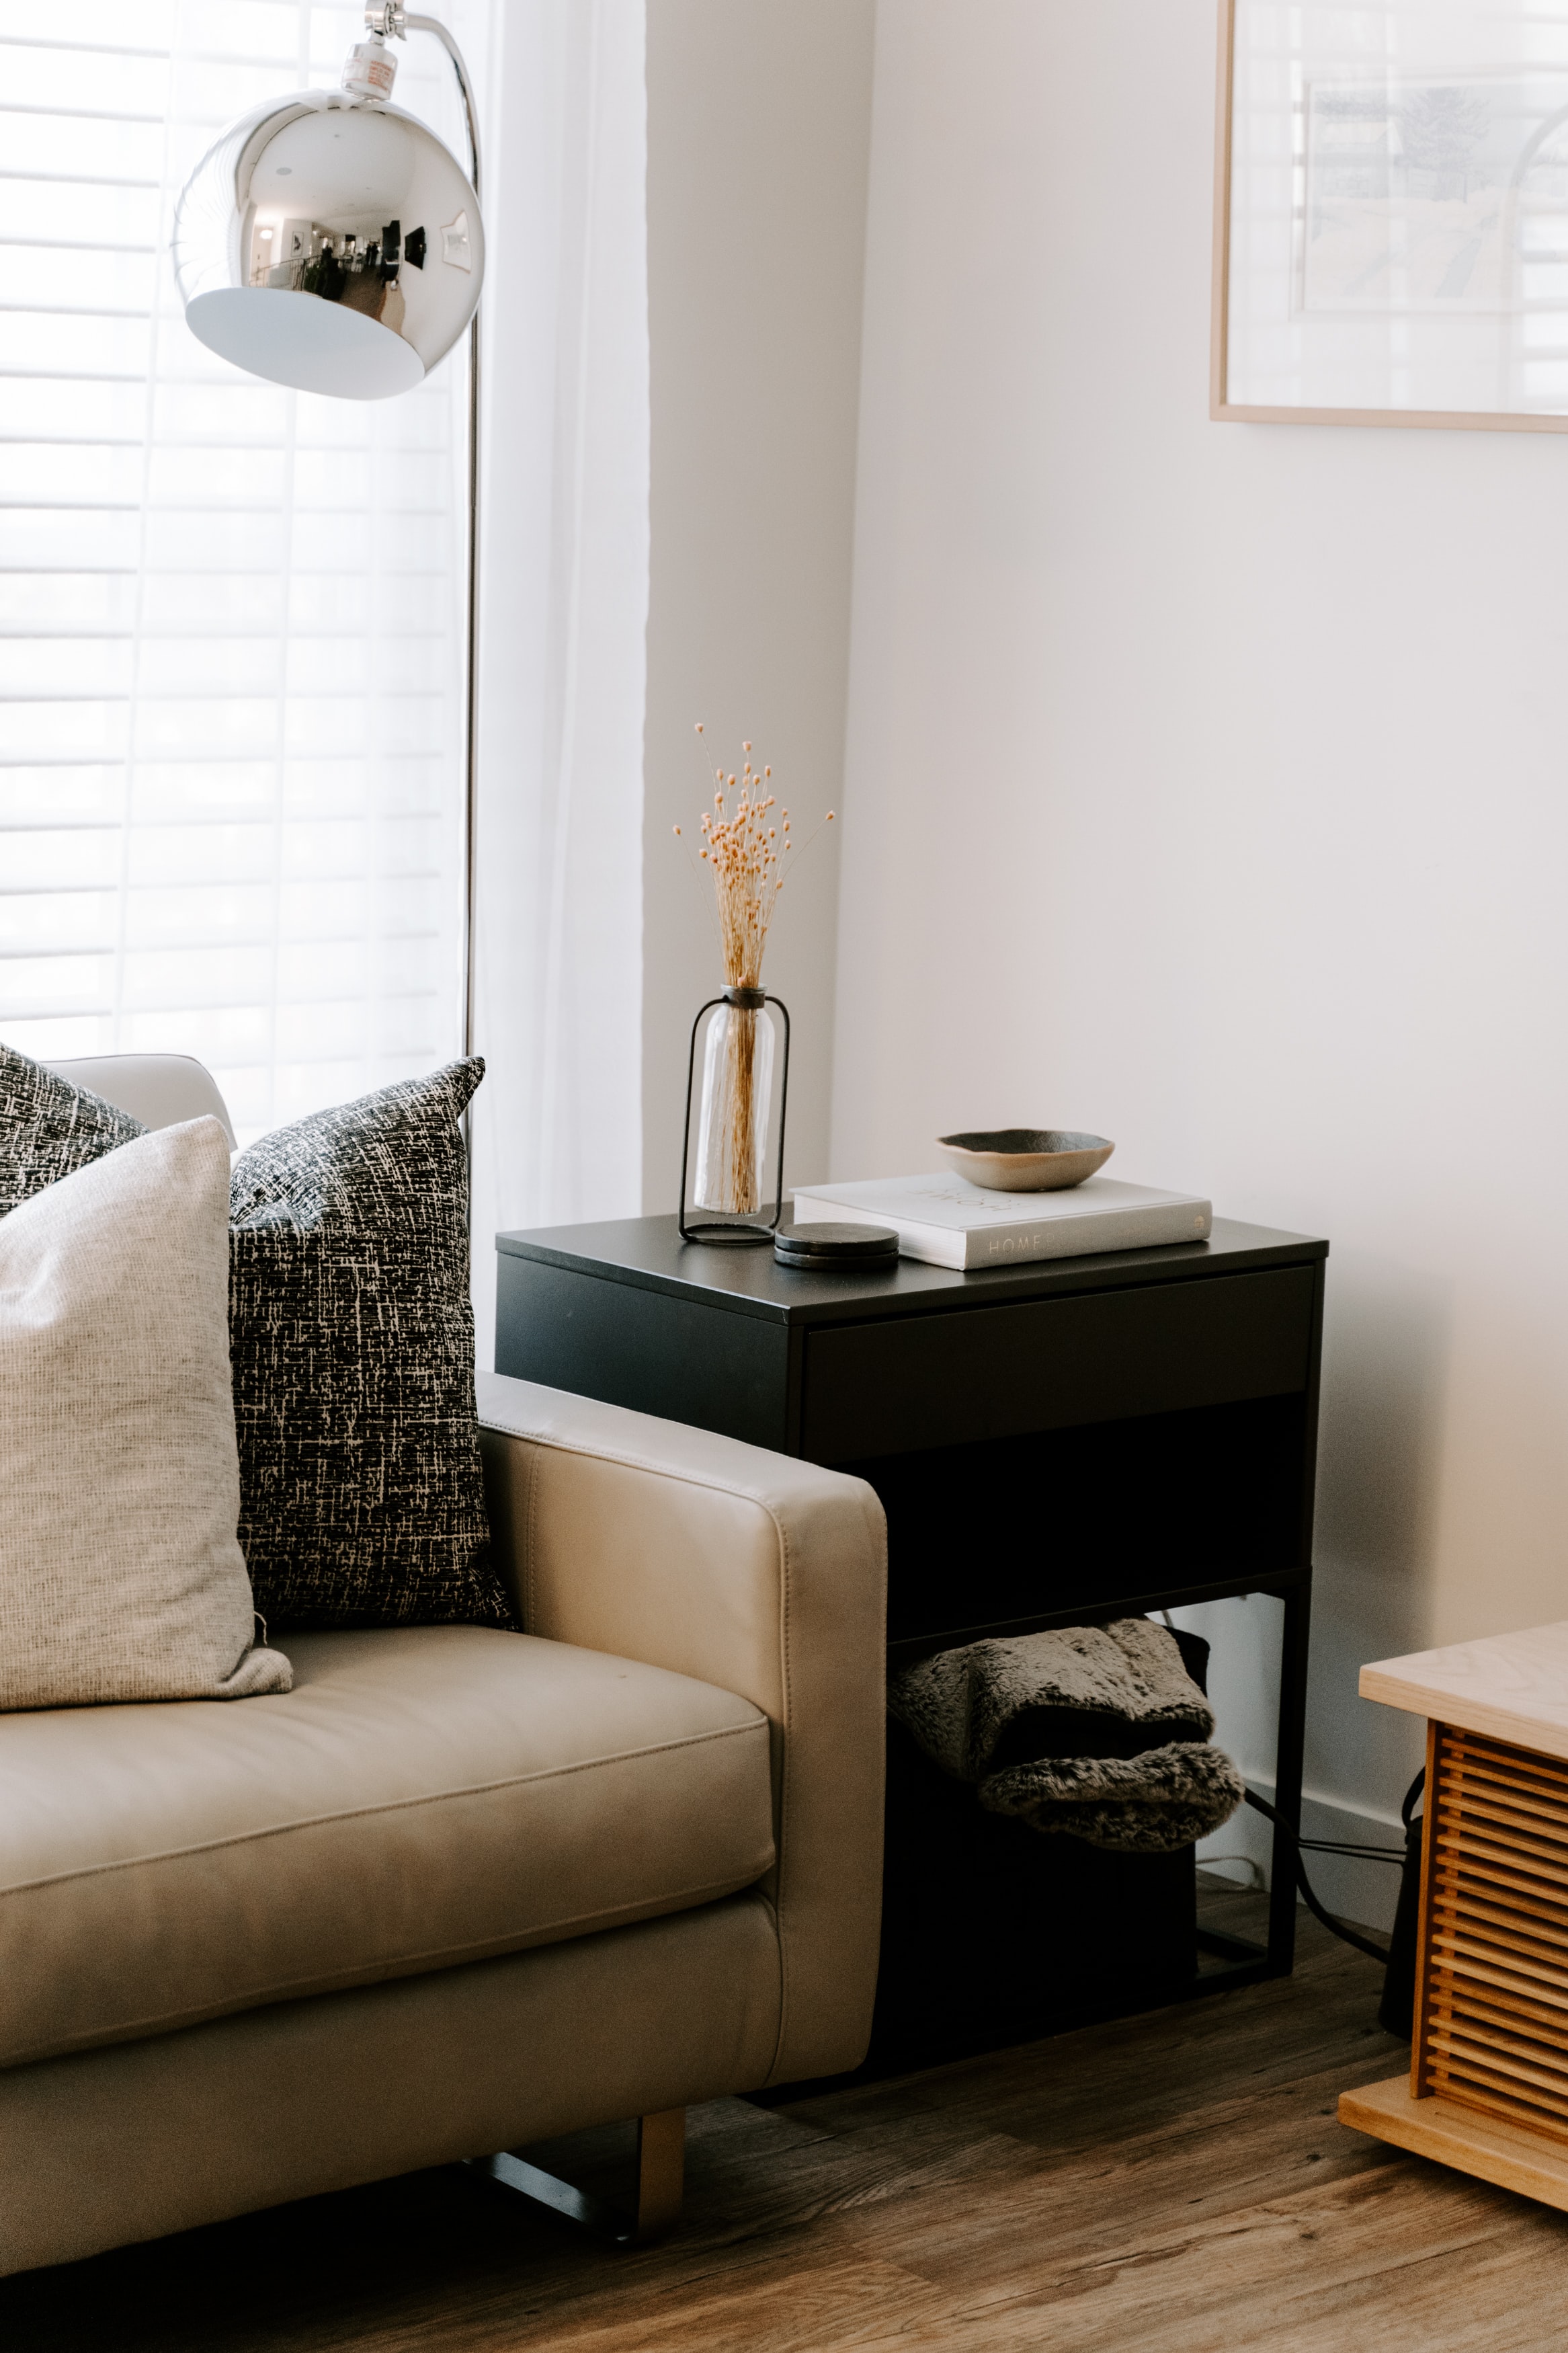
<point>1025,1159</point>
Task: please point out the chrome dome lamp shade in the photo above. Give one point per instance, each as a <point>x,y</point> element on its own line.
<point>329,240</point>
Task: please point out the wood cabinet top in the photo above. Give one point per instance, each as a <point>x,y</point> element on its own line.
<point>1513,1686</point>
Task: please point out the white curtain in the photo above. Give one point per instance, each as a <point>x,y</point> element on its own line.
<point>563,615</point>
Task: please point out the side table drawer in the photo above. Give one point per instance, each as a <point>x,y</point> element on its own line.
<point>997,1372</point>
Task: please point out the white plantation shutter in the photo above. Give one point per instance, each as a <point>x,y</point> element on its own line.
<point>231,616</point>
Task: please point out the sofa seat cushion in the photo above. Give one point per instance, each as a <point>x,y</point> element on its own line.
<point>424,1796</point>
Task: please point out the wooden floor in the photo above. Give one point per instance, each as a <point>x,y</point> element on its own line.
<point>1173,2184</point>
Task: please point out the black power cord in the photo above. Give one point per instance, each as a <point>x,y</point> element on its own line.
<point>1335,1846</point>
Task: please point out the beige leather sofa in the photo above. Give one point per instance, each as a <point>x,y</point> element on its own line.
<point>460,1890</point>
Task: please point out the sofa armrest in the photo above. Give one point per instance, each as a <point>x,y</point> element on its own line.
<point>760,1573</point>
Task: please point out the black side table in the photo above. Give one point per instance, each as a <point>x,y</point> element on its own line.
<point>1053,1444</point>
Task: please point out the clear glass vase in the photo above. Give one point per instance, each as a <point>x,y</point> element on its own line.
<point>732,1130</point>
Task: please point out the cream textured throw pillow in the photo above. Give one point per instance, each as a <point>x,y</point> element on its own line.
<point>120,1574</point>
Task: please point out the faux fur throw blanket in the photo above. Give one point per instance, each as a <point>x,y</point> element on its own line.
<point>1095,1730</point>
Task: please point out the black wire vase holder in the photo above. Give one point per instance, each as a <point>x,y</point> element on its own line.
<point>742,1230</point>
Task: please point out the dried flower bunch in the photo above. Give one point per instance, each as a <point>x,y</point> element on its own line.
<point>746,847</point>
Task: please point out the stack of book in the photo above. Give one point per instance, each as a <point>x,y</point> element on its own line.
<point>949,1222</point>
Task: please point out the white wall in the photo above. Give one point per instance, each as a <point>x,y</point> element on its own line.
<point>759,115</point>
<point>1206,787</point>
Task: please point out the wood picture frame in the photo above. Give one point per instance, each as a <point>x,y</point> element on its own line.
<point>1226,409</point>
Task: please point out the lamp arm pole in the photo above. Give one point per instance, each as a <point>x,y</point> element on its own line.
<point>407,23</point>
<point>392,22</point>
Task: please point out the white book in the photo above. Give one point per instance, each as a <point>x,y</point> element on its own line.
<point>950,1222</point>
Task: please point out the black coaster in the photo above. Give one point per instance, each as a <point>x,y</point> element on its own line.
<point>835,1246</point>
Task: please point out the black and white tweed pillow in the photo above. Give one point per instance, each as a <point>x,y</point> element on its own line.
<point>49,1129</point>
<point>351,1337</point>
<point>362,1500</point>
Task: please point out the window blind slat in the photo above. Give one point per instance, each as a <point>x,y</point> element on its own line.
<point>231,616</point>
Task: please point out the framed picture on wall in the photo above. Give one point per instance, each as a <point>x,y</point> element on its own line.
<point>1391,213</point>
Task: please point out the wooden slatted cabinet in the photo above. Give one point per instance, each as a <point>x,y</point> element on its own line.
<point>1488,2086</point>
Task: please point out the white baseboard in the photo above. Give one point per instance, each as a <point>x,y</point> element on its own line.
<point>1364,1892</point>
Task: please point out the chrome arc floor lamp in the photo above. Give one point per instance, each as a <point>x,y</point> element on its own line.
<point>331,242</point>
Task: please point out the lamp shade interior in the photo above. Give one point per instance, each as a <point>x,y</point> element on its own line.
<point>296,340</point>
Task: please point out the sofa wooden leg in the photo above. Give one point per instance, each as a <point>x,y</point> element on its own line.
<point>661,2182</point>
<point>661,2170</point>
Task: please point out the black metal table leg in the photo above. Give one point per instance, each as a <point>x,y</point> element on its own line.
<point>1298,1601</point>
